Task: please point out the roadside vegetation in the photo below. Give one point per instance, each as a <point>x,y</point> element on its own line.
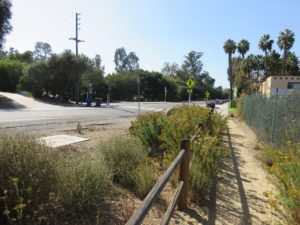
<point>40,185</point>
<point>284,165</point>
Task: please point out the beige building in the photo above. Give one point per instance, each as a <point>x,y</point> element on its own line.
<point>281,83</point>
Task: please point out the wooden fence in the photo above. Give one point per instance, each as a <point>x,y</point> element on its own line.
<point>181,195</point>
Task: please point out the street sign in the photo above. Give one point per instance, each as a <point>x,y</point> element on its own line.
<point>207,94</point>
<point>190,83</point>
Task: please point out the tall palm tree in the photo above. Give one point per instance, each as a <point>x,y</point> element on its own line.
<point>229,48</point>
<point>265,44</point>
<point>243,47</point>
<point>285,42</point>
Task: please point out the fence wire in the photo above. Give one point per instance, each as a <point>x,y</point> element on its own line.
<point>276,118</point>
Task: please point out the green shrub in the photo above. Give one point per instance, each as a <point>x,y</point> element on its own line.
<point>143,179</point>
<point>84,181</point>
<point>148,127</point>
<point>182,122</point>
<point>28,177</point>
<point>42,186</point>
<point>207,154</point>
<point>284,164</point>
<point>122,155</point>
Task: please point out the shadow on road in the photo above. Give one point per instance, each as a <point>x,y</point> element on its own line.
<point>9,104</point>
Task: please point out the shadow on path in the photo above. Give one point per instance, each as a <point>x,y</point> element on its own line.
<point>246,213</point>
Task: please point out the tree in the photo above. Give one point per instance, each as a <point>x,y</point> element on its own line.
<point>274,63</point>
<point>97,62</point>
<point>243,47</point>
<point>10,72</point>
<point>285,42</point>
<point>5,16</point>
<point>120,60</point>
<point>42,51</point>
<point>229,48</point>
<point>292,64</point>
<point>265,44</point>
<point>132,61</point>
<point>192,64</point>
<point>170,69</point>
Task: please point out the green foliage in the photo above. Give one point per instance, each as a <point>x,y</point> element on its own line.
<point>5,16</point>
<point>284,164</point>
<point>84,181</point>
<point>143,180</point>
<point>182,122</point>
<point>10,72</point>
<point>207,154</point>
<point>122,155</point>
<point>148,128</point>
<point>41,186</point>
<point>28,175</point>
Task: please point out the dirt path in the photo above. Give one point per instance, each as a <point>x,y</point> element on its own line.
<point>239,196</point>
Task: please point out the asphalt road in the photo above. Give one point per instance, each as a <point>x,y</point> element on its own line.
<point>27,115</point>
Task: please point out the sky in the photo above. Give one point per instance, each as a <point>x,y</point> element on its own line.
<point>158,31</point>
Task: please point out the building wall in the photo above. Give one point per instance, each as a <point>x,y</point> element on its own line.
<point>280,82</point>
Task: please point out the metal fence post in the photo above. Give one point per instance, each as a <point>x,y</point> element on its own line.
<point>184,174</point>
<point>274,116</point>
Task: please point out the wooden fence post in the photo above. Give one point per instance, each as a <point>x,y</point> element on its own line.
<point>184,174</point>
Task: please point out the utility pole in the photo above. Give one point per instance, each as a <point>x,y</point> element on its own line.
<point>76,46</point>
<point>166,91</point>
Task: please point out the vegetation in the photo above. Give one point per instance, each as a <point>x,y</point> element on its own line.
<point>229,48</point>
<point>123,154</point>
<point>5,15</point>
<point>284,164</point>
<point>182,122</point>
<point>40,186</point>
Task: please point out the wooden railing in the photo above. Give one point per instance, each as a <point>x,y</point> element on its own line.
<point>181,195</point>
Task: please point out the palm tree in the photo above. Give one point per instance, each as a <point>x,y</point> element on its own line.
<point>243,47</point>
<point>285,42</point>
<point>265,44</point>
<point>229,48</point>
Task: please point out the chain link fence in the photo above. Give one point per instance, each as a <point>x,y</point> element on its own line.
<point>276,118</point>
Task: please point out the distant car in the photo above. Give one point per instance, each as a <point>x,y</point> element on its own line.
<point>218,101</point>
<point>211,104</point>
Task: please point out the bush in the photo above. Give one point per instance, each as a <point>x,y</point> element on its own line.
<point>182,122</point>
<point>285,165</point>
<point>84,181</point>
<point>122,155</point>
<point>148,128</point>
<point>207,154</point>
<point>28,176</point>
<point>42,186</point>
<point>143,180</point>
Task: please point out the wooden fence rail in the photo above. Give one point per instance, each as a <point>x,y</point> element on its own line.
<point>181,195</point>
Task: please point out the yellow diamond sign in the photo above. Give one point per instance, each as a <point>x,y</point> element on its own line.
<point>190,83</point>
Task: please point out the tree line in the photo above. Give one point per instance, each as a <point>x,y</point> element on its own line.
<point>245,73</point>
<point>50,75</point>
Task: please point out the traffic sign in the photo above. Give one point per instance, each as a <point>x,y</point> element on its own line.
<point>190,83</point>
<point>207,94</point>
<point>189,90</point>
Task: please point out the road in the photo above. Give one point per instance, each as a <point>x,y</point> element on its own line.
<point>41,118</point>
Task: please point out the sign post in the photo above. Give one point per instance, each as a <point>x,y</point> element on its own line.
<point>190,84</point>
